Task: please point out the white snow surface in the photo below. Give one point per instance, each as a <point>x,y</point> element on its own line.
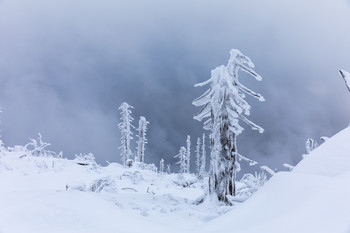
<point>314,197</point>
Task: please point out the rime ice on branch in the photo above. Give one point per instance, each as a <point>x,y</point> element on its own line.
<point>224,106</point>
<point>142,140</point>
<point>125,129</point>
<point>346,77</point>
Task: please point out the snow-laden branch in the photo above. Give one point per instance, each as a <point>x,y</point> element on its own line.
<point>288,166</point>
<point>251,162</point>
<point>250,92</point>
<point>251,124</point>
<point>346,77</point>
<point>268,170</point>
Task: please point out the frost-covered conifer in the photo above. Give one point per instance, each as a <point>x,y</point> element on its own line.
<point>182,160</point>
<point>161,166</point>
<point>142,129</point>
<point>310,145</point>
<point>125,129</point>
<point>188,153</point>
<point>224,105</point>
<point>168,169</point>
<point>198,156</point>
<point>346,77</point>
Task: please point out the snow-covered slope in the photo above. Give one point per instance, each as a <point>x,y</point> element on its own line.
<point>330,159</point>
<point>314,197</point>
<point>45,194</point>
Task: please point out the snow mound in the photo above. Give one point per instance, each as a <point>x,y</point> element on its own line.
<point>329,159</point>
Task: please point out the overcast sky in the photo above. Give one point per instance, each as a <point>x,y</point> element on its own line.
<point>66,66</point>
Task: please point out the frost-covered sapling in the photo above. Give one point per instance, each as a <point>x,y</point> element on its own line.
<point>224,106</point>
<point>142,140</point>
<point>182,160</point>
<point>168,169</point>
<point>188,153</point>
<point>161,166</point>
<point>125,127</point>
<point>310,145</point>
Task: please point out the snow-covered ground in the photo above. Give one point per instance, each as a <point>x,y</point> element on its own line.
<point>41,194</point>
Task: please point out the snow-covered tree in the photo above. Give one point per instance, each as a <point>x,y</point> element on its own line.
<point>161,166</point>
<point>125,129</point>
<point>182,160</point>
<point>198,156</point>
<point>188,153</point>
<point>346,77</point>
<point>224,105</point>
<point>142,140</point>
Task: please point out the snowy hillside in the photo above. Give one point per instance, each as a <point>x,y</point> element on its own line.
<point>314,197</point>
<point>43,194</point>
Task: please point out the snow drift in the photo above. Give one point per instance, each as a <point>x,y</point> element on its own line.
<point>314,197</point>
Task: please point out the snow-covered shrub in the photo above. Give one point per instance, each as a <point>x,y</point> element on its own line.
<point>38,148</point>
<point>144,166</point>
<point>106,184</point>
<point>76,185</point>
<point>135,177</point>
<point>86,160</point>
<point>185,180</point>
<point>249,185</point>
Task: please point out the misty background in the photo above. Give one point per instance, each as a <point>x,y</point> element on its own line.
<point>66,66</point>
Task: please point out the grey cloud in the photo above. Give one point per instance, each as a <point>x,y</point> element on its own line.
<point>66,66</point>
